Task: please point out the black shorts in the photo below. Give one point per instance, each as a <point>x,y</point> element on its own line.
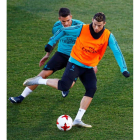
<point>57,62</point>
<point>87,77</point>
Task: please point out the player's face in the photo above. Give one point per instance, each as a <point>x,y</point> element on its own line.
<point>66,21</point>
<point>97,26</point>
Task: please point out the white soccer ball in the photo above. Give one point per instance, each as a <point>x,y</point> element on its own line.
<point>64,122</point>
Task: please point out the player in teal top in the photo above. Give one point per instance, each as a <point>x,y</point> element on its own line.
<point>60,58</point>
<point>66,42</point>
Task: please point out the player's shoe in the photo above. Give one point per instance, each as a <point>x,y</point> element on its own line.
<point>65,93</point>
<point>32,81</point>
<point>16,99</point>
<point>80,123</point>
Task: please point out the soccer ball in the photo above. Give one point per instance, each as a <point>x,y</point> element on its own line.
<point>64,122</point>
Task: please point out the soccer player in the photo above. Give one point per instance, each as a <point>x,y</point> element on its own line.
<point>60,58</point>
<point>90,46</point>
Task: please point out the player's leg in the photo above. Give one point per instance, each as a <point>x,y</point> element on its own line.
<point>68,79</point>
<point>44,74</point>
<point>57,62</point>
<point>64,84</point>
<point>50,82</point>
<point>89,81</point>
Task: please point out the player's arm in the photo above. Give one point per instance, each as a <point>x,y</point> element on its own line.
<point>53,40</point>
<point>118,55</point>
<point>52,48</point>
<point>44,59</point>
<point>55,28</point>
<point>73,30</point>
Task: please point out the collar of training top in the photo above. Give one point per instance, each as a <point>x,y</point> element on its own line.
<point>95,35</point>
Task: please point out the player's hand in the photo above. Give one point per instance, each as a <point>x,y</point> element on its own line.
<point>43,60</point>
<point>126,74</point>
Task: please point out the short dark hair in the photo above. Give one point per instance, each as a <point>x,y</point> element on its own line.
<point>64,12</point>
<point>100,17</point>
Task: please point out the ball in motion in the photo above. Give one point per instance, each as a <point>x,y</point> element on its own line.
<point>64,122</point>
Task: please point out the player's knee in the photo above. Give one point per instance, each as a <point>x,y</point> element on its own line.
<point>90,92</point>
<point>45,73</point>
<point>63,86</point>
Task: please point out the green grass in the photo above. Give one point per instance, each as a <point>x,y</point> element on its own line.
<point>29,24</point>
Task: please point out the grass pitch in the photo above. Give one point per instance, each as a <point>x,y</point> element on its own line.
<point>29,24</point>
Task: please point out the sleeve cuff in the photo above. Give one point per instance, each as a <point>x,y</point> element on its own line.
<point>48,48</point>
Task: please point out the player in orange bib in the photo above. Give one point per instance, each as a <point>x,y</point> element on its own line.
<point>90,50</point>
<point>90,46</point>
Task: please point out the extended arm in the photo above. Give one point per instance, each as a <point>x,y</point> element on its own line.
<point>118,55</point>
<point>73,30</point>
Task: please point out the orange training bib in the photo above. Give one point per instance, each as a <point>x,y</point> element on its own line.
<point>87,50</point>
